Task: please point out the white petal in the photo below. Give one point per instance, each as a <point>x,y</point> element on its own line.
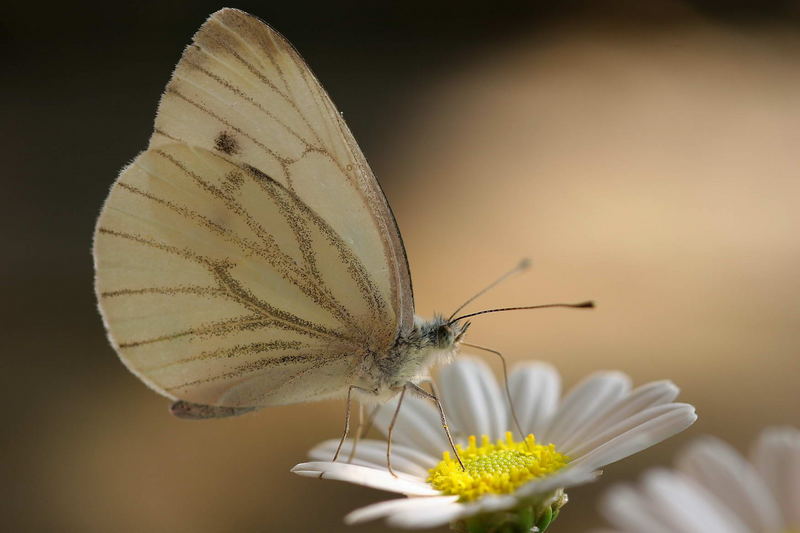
<point>651,432</point>
<point>472,399</point>
<point>732,480</point>
<point>686,507</point>
<point>491,503</point>
<point>387,508</point>
<point>372,453</point>
<point>587,400</point>
<point>649,395</point>
<point>580,449</point>
<point>777,458</point>
<point>426,517</point>
<point>535,391</point>
<point>418,425</point>
<point>496,399</point>
<point>629,510</point>
<point>368,477</point>
<point>568,477</point>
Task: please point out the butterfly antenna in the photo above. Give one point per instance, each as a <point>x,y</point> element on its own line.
<point>581,305</point>
<point>521,267</point>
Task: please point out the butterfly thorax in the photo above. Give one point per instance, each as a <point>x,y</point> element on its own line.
<point>430,342</point>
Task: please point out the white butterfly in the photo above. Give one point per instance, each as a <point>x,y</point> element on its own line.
<point>248,257</point>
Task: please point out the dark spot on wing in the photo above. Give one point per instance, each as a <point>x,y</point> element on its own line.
<point>197,411</point>
<point>226,143</point>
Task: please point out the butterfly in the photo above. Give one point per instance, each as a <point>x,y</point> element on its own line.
<point>248,257</point>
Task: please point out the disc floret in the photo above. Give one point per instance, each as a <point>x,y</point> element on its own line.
<point>494,468</point>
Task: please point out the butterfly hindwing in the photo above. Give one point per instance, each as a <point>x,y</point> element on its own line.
<point>202,281</point>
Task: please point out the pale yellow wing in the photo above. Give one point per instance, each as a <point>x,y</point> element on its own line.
<point>240,89</point>
<point>220,286</point>
<point>249,257</point>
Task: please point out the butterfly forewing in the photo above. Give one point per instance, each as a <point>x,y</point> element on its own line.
<point>242,90</point>
<point>248,257</point>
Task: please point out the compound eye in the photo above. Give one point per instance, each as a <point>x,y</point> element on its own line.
<point>441,335</point>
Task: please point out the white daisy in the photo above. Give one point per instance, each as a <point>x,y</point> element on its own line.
<point>519,483</point>
<point>716,490</point>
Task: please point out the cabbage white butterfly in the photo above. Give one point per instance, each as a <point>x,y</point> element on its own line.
<point>248,256</point>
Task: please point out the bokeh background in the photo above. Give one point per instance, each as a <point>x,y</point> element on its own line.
<point>644,154</point>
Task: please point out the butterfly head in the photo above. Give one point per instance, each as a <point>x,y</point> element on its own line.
<point>449,334</point>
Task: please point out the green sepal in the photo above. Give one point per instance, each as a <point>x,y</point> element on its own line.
<point>525,518</point>
<point>528,517</point>
<point>545,519</point>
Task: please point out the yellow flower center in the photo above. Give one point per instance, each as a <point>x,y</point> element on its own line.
<point>499,468</point>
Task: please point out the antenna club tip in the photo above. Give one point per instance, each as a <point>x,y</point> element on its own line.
<point>525,263</point>
<point>586,305</point>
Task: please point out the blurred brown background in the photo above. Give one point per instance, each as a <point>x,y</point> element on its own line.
<point>644,154</point>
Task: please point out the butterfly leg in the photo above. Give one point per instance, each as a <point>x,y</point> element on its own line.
<point>434,395</point>
<point>346,431</point>
<point>363,429</point>
<point>357,436</point>
<point>435,399</point>
<point>505,381</point>
<point>346,422</point>
<point>391,430</point>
